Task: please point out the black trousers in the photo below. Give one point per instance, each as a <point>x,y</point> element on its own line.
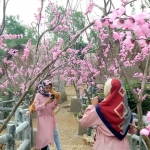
<point>44,148</point>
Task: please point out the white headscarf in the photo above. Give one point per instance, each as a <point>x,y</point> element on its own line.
<point>107,87</point>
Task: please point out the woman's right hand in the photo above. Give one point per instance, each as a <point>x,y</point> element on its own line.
<point>48,101</point>
<point>95,101</point>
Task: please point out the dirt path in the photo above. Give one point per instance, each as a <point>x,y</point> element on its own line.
<point>68,130</point>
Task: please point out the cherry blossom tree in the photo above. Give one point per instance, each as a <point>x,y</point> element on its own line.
<point>25,70</point>
<point>122,44</point>
<point>123,51</point>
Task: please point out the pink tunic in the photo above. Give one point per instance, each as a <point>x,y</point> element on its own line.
<point>46,121</point>
<point>105,140</point>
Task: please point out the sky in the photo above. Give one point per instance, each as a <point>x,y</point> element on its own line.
<point>26,8</point>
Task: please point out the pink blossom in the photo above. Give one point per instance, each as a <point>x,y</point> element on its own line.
<point>140,18</point>
<point>148,116</point>
<point>128,41</point>
<point>144,132</point>
<point>105,22</point>
<point>145,50</point>
<point>55,55</point>
<point>5,84</point>
<point>98,23</point>
<point>115,36</point>
<point>138,31</point>
<point>121,11</point>
<point>22,87</point>
<point>144,97</point>
<point>112,16</point>
<point>145,29</point>
<point>148,128</point>
<point>98,87</point>
<point>1,86</point>
<point>6,93</point>
<point>124,1</point>
<point>129,24</point>
<point>90,8</point>
<point>142,42</point>
<point>1,71</point>
<point>26,50</point>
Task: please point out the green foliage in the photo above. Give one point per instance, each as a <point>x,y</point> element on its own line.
<point>94,34</point>
<point>79,115</point>
<point>11,94</point>
<point>4,96</point>
<point>77,24</point>
<point>131,101</point>
<point>79,46</point>
<point>1,53</point>
<point>146,102</point>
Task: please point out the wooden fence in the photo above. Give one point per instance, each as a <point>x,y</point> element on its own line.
<point>19,129</point>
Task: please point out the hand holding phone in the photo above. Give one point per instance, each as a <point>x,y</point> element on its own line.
<point>52,96</point>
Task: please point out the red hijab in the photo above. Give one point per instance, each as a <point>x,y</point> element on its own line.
<point>114,110</point>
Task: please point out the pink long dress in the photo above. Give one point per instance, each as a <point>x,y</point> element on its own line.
<point>46,121</point>
<point>105,140</point>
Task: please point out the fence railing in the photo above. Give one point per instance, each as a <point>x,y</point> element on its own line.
<point>137,142</point>
<point>18,130</point>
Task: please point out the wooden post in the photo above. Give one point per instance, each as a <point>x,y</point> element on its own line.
<point>1,112</point>
<point>11,129</point>
<point>18,120</point>
<point>27,132</point>
<point>27,100</point>
<point>14,102</point>
<point>31,126</point>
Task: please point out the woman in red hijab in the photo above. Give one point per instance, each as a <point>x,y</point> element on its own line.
<point>112,117</point>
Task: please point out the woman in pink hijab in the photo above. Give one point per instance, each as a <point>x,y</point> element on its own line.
<point>112,117</point>
<point>45,104</point>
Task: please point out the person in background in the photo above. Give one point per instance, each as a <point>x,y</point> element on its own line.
<point>56,132</point>
<point>112,118</point>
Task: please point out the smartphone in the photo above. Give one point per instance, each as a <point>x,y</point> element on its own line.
<point>99,99</point>
<point>52,96</point>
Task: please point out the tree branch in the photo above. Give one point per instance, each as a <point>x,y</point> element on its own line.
<point>4,15</point>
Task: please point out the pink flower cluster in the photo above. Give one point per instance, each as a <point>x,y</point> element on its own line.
<point>39,15</point>
<point>13,52</point>
<point>12,36</point>
<point>138,75</point>
<point>26,51</point>
<point>2,44</point>
<point>146,131</point>
<point>89,8</point>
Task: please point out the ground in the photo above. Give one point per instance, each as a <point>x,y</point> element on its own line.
<point>68,126</point>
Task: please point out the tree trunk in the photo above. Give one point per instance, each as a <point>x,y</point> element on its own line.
<point>147,141</point>
<point>77,90</point>
<point>139,111</point>
<point>88,96</point>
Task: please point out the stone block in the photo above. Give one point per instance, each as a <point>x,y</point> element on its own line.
<point>129,136</point>
<point>1,115</point>
<point>81,130</point>
<point>34,135</point>
<point>34,115</point>
<point>75,104</point>
<point>63,97</point>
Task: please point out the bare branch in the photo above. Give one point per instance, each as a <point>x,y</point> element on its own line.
<point>40,13</point>
<point>130,2</point>
<point>4,15</point>
<point>144,78</point>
